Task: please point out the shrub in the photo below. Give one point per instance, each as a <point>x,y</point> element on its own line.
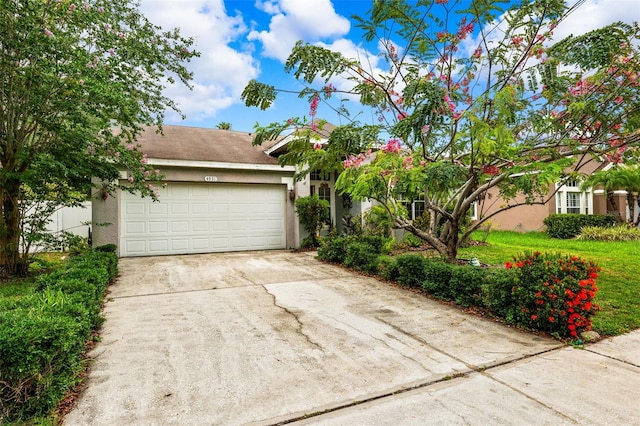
<point>615,233</point>
<point>43,335</point>
<point>313,213</point>
<point>498,295</point>
<point>411,240</point>
<point>465,284</point>
<point>388,268</point>
<point>411,269</point>
<point>437,277</point>
<point>362,256</point>
<point>333,249</point>
<point>108,248</point>
<point>565,226</point>
<point>555,293</point>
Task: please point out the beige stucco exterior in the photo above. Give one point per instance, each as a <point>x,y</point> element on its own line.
<point>530,217</point>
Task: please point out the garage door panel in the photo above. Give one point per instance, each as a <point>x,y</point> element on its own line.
<point>201,218</point>
<point>158,227</point>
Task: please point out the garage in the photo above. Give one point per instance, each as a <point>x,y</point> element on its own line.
<point>203,218</point>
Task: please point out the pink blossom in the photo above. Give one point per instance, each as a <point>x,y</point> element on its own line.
<point>106,26</point>
<point>313,107</point>
<point>48,33</point>
<point>117,154</point>
<point>157,171</point>
<point>402,115</point>
<point>317,146</point>
<point>426,128</point>
<point>72,7</point>
<point>393,146</point>
<point>112,52</point>
<point>477,53</point>
<point>456,115</point>
<point>86,7</point>
<point>407,163</point>
<point>290,122</point>
<point>147,173</point>
<point>368,153</point>
<point>130,179</point>
<point>517,40</point>
<point>423,163</point>
<point>130,147</point>
<point>442,1</point>
<point>618,100</point>
<point>101,9</point>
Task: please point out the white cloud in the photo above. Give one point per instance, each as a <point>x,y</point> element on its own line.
<point>221,72</point>
<point>293,20</point>
<point>596,14</point>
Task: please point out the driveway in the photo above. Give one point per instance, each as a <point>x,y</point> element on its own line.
<point>276,337</point>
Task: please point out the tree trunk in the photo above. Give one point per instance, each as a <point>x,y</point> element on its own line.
<point>11,262</point>
<point>452,241</point>
<point>612,206</point>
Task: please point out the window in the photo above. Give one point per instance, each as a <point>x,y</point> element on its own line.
<point>570,199</point>
<point>320,175</point>
<point>573,202</point>
<point>415,208</point>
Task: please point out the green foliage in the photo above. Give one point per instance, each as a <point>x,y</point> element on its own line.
<point>43,335</point>
<point>565,226</point>
<point>362,256</point>
<point>615,233</point>
<point>70,76</point>
<point>457,121</point>
<point>333,249</point>
<point>411,269</point>
<point>388,268</point>
<point>437,279</point>
<point>106,248</point>
<point>555,293</point>
<point>313,213</point>
<point>466,284</point>
<point>497,293</point>
<point>411,240</point>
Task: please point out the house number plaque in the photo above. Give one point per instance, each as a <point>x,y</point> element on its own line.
<point>210,178</point>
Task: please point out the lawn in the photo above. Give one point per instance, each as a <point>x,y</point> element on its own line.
<point>619,281</point>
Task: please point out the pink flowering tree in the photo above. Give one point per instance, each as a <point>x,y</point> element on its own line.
<point>474,100</point>
<point>78,79</point>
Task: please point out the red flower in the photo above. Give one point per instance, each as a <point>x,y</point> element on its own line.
<point>519,264</point>
<point>534,317</point>
<point>552,319</point>
<point>508,265</point>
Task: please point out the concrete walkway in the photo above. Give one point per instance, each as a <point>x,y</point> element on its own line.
<point>281,338</point>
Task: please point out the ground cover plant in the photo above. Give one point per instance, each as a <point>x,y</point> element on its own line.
<point>618,284</point>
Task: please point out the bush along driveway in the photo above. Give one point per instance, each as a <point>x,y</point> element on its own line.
<point>43,335</point>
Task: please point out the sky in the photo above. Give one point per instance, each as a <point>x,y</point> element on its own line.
<point>240,40</point>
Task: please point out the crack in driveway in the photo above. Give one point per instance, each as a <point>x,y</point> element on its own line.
<point>300,325</point>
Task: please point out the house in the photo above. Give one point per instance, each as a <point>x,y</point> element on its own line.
<point>570,197</point>
<point>222,194</point>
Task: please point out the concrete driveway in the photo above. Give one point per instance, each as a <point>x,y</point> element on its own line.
<point>279,337</point>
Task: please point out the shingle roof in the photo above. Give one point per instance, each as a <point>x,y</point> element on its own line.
<point>202,144</point>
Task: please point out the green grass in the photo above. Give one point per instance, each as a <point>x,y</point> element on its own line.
<point>618,284</point>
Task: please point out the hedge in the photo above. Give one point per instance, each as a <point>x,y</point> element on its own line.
<point>43,336</point>
<point>564,226</point>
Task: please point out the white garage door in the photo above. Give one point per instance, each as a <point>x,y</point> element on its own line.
<point>203,218</point>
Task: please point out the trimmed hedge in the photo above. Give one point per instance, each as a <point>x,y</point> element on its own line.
<point>564,226</point>
<point>43,336</point>
<point>548,292</point>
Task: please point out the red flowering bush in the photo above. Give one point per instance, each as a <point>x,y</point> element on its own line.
<point>555,292</point>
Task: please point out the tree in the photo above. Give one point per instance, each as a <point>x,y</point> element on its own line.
<point>618,178</point>
<point>223,125</point>
<point>77,83</point>
<point>472,99</point>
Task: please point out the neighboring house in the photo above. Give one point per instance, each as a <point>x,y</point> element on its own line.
<point>221,194</point>
<point>569,198</point>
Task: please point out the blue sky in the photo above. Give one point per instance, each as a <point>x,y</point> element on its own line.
<point>244,39</point>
